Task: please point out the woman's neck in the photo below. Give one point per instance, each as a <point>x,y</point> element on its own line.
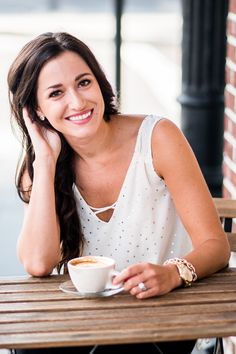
<point>94,147</point>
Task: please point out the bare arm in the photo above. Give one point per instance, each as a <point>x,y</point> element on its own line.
<point>38,245</point>
<point>176,163</point>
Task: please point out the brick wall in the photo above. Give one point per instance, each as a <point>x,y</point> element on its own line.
<point>229,165</point>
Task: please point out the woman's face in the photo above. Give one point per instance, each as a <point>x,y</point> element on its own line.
<point>69,96</point>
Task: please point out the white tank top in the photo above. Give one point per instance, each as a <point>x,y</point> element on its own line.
<point>144,226</point>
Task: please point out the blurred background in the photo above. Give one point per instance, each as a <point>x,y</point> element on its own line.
<point>150,73</point>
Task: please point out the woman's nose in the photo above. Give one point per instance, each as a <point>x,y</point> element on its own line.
<point>76,100</point>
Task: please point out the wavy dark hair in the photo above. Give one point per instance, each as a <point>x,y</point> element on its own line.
<point>22,82</point>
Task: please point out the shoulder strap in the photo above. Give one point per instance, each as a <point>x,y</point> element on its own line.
<point>145,134</point>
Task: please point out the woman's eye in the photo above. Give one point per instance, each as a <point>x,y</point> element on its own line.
<point>84,82</point>
<point>55,93</point>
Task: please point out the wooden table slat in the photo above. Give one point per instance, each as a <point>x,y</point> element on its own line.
<point>115,323</point>
<point>138,335</point>
<point>121,302</point>
<point>73,314</point>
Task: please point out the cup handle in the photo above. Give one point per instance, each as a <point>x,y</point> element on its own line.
<point>112,286</point>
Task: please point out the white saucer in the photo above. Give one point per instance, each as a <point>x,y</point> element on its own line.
<point>68,287</point>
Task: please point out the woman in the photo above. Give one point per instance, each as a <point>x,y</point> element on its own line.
<point>98,182</point>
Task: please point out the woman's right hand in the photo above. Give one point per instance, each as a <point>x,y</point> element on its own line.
<point>46,143</point>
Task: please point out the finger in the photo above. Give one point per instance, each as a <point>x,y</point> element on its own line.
<point>136,290</point>
<point>28,120</point>
<point>134,282</point>
<point>128,273</point>
<point>33,129</point>
<point>26,116</point>
<point>141,294</point>
<point>146,294</point>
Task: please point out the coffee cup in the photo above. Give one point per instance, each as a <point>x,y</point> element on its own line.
<point>92,274</point>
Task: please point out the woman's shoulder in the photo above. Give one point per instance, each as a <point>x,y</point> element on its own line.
<point>165,128</point>
<point>127,124</point>
<point>169,145</point>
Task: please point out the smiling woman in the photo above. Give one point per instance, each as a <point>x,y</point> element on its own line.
<point>97,182</point>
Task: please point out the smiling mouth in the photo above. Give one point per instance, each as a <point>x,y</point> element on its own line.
<point>80,117</point>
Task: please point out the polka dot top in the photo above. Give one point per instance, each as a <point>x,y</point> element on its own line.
<point>144,226</point>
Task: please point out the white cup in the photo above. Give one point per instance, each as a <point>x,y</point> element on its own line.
<point>92,274</point>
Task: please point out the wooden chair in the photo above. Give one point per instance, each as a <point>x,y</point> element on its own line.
<point>227,212</point>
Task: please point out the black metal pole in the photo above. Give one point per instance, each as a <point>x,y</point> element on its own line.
<point>119,4</point>
<point>203,83</point>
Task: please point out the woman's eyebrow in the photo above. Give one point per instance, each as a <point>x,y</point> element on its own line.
<point>81,75</point>
<point>59,84</point>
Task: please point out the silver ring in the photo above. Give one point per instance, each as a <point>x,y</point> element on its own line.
<point>142,286</point>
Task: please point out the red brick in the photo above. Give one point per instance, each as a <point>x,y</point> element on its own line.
<point>228,148</point>
<point>229,100</point>
<point>233,28</point>
<point>229,27</point>
<point>227,171</point>
<point>227,74</point>
<point>228,124</point>
<point>233,129</point>
<point>234,154</point>
<point>230,76</point>
<point>232,6</point>
<point>226,193</point>
<point>231,52</point>
<point>233,178</point>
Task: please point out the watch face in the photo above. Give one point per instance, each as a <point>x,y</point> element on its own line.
<point>185,273</point>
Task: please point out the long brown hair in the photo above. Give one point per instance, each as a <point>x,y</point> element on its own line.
<point>22,81</point>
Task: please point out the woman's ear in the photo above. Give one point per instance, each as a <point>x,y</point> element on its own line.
<point>40,115</point>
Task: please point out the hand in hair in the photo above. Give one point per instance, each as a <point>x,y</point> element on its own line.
<point>46,143</point>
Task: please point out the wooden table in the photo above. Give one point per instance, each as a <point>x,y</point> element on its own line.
<point>35,313</point>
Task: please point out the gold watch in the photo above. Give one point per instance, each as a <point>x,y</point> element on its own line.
<point>185,274</point>
<point>186,270</point>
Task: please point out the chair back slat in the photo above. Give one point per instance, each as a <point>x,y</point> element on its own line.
<point>232,240</point>
<point>226,209</point>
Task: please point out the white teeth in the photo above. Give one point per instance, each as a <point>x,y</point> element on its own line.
<point>80,116</point>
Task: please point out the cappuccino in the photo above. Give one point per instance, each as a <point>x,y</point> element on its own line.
<point>88,263</point>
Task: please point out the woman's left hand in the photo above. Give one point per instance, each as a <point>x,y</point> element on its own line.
<point>157,279</point>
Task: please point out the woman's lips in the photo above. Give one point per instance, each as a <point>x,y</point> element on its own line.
<point>81,117</point>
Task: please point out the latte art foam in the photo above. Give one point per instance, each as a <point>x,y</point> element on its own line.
<point>89,264</point>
